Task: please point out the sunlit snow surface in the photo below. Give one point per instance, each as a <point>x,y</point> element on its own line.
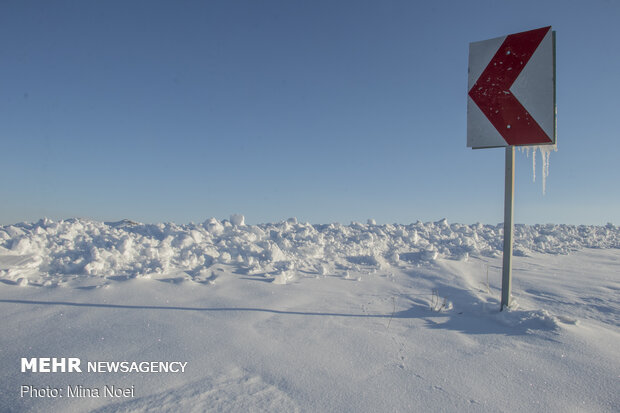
<point>289,317</point>
<point>51,252</point>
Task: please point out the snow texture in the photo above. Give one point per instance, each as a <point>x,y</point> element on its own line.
<point>126,248</point>
<point>293,317</point>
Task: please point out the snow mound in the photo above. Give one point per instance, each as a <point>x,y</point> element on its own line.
<point>528,320</point>
<point>127,248</point>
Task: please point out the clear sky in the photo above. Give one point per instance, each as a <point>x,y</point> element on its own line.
<point>328,111</point>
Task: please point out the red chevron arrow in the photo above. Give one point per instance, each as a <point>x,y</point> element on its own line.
<point>492,94</point>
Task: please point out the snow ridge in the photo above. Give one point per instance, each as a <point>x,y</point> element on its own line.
<point>87,247</point>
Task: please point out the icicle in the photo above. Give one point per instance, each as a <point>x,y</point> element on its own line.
<point>534,164</point>
<point>527,149</point>
<point>545,154</point>
<point>545,151</point>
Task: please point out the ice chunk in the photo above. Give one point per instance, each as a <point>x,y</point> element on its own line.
<point>237,220</point>
<point>214,226</point>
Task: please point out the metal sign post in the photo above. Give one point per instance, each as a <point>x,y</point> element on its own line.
<point>509,192</point>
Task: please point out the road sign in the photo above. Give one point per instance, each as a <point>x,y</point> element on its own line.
<point>511,102</point>
<point>511,90</point>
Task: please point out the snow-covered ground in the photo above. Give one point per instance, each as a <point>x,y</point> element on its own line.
<point>292,317</point>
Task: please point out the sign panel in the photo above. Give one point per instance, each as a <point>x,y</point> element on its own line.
<point>511,90</point>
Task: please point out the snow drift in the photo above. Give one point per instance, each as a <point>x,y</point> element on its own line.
<point>126,248</point>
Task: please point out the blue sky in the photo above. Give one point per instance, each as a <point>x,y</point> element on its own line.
<point>328,111</point>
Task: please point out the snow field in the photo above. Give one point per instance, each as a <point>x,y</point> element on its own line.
<point>292,317</point>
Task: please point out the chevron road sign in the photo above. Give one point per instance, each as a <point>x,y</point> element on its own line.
<point>511,90</point>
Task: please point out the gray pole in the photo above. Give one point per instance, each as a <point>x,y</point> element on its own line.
<point>508,226</point>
